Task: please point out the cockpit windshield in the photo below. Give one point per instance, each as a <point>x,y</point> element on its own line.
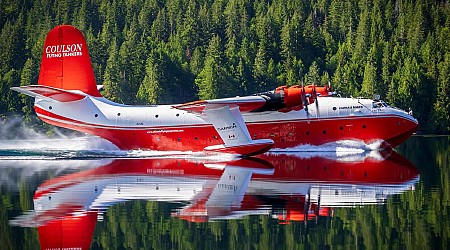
<point>379,104</point>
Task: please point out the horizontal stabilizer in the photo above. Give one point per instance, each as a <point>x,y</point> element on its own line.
<point>49,93</point>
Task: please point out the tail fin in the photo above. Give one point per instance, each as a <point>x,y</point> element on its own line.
<point>68,232</point>
<point>66,63</point>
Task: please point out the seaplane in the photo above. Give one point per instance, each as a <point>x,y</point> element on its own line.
<point>67,96</point>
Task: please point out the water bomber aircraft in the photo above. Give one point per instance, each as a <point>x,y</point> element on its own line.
<point>67,95</point>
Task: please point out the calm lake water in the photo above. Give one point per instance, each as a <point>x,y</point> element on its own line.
<point>81,194</point>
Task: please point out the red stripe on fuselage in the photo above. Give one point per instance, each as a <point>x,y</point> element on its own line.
<point>286,134</point>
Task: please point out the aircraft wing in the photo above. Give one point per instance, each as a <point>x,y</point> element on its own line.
<point>49,93</point>
<point>225,115</point>
<point>220,199</point>
<point>245,104</point>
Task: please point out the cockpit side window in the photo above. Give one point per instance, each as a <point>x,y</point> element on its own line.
<point>378,104</point>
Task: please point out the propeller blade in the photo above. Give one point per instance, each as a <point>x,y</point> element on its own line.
<point>330,89</point>
<point>305,103</point>
<point>315,99</point>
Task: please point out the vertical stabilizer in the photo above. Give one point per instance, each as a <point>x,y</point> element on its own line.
<point>68,232</point>
<point>66,63</point>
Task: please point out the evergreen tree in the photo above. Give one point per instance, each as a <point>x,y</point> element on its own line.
<point>260,66</point>
<point>12,53</point>
<point>441,114</point>
<point>150,89</point>
<point>112,80</point>
<point>28,76</point>
<point>371,83</point>
<point>386,69</point>
<point>160,29</point>
<point>190,31</point>
<point>210,81</point>
<point>404,84</point>
<point>370,80</point>
<point>10,79</point>
<point>313,75</point>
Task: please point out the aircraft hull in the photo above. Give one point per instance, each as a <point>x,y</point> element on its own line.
<point>390,129</point>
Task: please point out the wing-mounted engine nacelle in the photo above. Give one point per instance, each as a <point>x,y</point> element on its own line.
<point>285,99</point>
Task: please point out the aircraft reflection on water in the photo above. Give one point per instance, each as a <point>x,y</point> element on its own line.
<point>287,187</point>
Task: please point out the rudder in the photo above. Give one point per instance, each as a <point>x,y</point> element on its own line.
<point>66,63</point>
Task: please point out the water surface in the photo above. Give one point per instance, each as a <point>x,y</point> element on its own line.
<point>83,193</point>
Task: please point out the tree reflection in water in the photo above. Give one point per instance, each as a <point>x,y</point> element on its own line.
<point>278,199</point>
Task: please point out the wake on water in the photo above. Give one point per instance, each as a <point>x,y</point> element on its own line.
<point>92,147</point>
<point>87,147</point>
<point>337,146</point>
<point>30,156</point>
<point>59,148</point>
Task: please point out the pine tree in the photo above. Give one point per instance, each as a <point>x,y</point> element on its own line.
<point>260,66</point>
<point>28,76</point>
<point>369,83</point>
<point>404,85</point>
<point>160,29</point>
<point>415,32</point>
<point>9,99</point>
<point>190,32</point>
<point>313,75</point>
<point>111,79</point>
<point>210,81</point>
<point>386,69</point>
<point>150,89</point>
<point>12,53</point>
<point>441,114</point>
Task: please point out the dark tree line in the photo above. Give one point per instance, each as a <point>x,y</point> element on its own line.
<point>155,51</point>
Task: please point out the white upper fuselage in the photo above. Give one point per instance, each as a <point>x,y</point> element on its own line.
<point>102,112</point>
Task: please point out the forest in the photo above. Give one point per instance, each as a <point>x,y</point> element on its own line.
<point>174,51</point>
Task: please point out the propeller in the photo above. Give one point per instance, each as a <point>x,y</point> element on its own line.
<point>307,206</point>
<point>314,93</point>
<point>330,89</point>
<point>304,101</point>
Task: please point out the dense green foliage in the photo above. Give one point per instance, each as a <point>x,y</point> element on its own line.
<point>155,51</point>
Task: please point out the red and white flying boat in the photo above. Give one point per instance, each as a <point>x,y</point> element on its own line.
<point>67,96</point>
